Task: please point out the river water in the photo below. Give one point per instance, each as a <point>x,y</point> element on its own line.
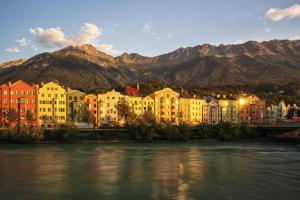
<point>150,171</point>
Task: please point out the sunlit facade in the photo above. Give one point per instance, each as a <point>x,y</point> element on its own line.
<point>91,102</point>
<point>252,110</point>
<point>166,106</point>
<point>107,107</point>
<point>19,98</point>
<point>75,101</point>
<point>228,110</point>
<point>52,104</point>
<point>148,104</point>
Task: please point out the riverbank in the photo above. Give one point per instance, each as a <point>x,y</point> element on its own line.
<point>142,133</point>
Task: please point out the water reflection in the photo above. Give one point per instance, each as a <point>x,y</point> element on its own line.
<point>182,172</point>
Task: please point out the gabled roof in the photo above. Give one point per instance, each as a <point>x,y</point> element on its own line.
<point>132,92</point>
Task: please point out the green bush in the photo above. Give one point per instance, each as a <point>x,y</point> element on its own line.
<point>64,133</point>
<point>22,134</point>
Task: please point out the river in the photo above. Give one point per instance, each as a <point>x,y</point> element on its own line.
<point>150,171</point>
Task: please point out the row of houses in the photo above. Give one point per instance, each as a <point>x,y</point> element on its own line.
<point>50,104</point>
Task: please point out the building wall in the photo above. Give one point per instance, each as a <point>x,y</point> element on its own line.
<point>21,97</point>
<point>107,107</point>
<point>184,110</point>
<point>228,111</point>
<point>210,112</point>
<point>196,106</point>
<point>75,101</point>
<point>52,105</point>
<point>252,110</point>
<point>166,106</point>
<point>135,104</point>
<point>148,104</point>
<point>91,102</point>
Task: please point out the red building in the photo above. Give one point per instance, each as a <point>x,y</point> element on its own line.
<point>252,110</point>
<point>18,104</point>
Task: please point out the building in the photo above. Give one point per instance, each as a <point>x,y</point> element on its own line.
<point>52,105</point>
<point>272,114</point>
<point>134,100</point>
<point>190,108</point>
<point>210,111</point>
<point>166,106</point>
<point>91,102</point>
<point>228,110</point>
<point>252,110</point>
<point>18,104</point>
<point>148,104</point>
<point>75,102</point>
<point>107,104</point>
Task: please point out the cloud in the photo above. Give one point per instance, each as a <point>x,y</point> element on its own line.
<point>55,38</point>
<point>109,49</point>
<point>148,27</point>
<point>49,38</point>
<point>277,14</point>
<point>88,35</point>
<point>23,42</point>
<point>296,37</point>
<point>238,41</point>
<point>13,50</point>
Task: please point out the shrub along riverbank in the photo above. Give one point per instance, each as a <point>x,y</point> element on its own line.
<point>141,132</point>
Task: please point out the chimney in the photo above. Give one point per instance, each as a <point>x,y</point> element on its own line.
<point>137,86</point>
<point>42,83</point>
<point>9,83</point>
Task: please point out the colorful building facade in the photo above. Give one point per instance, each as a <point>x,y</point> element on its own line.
<point>107,104</point>
<point>75,102</point>
<point>18,104</point>
<point>166,106</point>
<point>228,110</point>
<point>91,102</point>
<point>52,105</point>
<point>210,111</point>
<point>252,110</point>
<point>134,100</point>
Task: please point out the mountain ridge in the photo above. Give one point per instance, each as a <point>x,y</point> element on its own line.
<point>86,67</point>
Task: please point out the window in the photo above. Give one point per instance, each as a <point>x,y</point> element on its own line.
<point>12,92</point>
<point>70,98</point>
<point>5,92</point>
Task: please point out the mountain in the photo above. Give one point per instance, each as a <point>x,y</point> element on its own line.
<point>85,67</point>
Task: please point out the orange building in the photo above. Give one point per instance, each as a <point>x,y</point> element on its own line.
<point>18,104</point>
<point>91,103</point>
<point>252,110</point>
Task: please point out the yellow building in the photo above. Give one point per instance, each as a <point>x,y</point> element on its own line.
<point>91,102</point>
<point>135,104</point>
<point>196,105</point>
<point>75,101</point>
<point>52,106</point>
<point>166,106</point>
<point>107,104</point>
<point>148,104</point>
<point>190,109</point>
<point>228,110</point>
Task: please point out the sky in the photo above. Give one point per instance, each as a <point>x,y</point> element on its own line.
<point>30,27</point>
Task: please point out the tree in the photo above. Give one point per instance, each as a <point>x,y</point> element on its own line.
<point>29,116</point>
<point>124,112</point>
<point>85,115</point>
<point>148,117</point>
<point>12,115</point>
